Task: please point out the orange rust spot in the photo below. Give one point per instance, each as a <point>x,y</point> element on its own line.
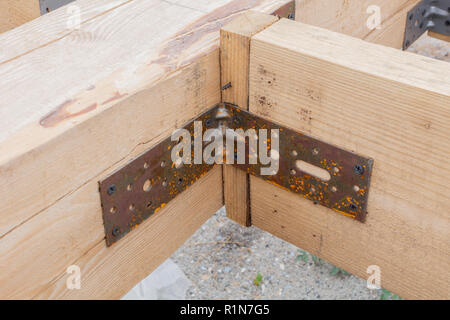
<point>61,113</point>
<point>116,96</point>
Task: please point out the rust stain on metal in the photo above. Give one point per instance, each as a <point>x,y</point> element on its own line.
<point>147,184</point>
<point>346,191</point>
<point>144,186</point>
<point>63,113</point>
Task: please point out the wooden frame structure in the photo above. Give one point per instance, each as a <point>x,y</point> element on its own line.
<point>78,103</point>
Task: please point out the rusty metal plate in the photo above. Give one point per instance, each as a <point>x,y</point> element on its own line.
<point>147,184</point>
<point>347,189</point>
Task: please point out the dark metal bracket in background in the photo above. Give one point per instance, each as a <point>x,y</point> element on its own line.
<point>50,5</point>
<point>145,185</point>
<point>427,15</point>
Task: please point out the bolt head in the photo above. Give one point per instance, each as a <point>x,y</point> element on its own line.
<point>359,169</point>
<point>111,189</point>
<point>116,231</point>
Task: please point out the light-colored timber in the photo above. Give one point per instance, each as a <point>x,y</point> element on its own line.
<point>382,103</point>
<point>14,13</point>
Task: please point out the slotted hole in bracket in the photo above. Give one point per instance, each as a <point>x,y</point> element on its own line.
<point>313,170</point>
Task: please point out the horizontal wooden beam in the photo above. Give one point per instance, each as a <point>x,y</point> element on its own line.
<point>382,103</point>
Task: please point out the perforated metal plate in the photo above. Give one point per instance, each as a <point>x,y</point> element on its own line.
<point>145,185</point>
<point>433,15</point>
<point>349,174</point>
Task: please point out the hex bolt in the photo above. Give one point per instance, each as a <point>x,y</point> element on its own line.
<point>111,189</point>
<point>359,169</point>
<point>116,231</point>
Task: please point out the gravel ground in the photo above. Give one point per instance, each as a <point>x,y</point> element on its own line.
<point>223,259</point>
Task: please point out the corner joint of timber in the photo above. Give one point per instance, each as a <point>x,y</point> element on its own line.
<point>320,172</point>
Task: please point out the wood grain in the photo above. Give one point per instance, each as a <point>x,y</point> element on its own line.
<point>14,13</point>
<point>350,17</point>
<point>235,58</point>
<point>382,103</point>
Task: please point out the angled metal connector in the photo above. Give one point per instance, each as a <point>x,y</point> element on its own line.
<point>428,15</point>
<point>147,184</point>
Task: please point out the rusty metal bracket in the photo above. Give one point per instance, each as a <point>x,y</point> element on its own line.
<point>432,15</point>
<point>146,184</point>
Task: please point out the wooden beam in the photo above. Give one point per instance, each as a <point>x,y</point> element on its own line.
<point>17,12</point>
<point>79,103</point>
<point>235,58</point>
<point>351,16</point>
<point>382,103</point>
<point>109,273</point>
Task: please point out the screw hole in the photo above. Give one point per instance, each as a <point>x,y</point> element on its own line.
<point>147,185</point>
<point>447,23</point>
<point>180,180</point>
<point>411,16</point>
<point>149,204</point>
<point>353,207</point>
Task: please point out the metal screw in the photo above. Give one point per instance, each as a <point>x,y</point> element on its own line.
<point>111,189</point>
<point>358,169</point>
<point>116,231</point>
<point>227,86</point>
<point>291,16</point>
<point>208,122</point>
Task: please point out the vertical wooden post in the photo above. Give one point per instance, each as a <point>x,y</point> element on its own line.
<point>234,58</point>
